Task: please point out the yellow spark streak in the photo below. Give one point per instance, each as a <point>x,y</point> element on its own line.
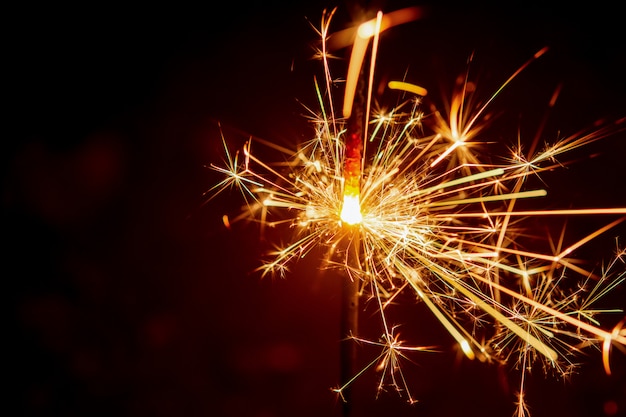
<point>452,329</point>
<point>588,238</point>
<point>534,255</point>
<point>469,178</point>
<point>620,210</point>
<point>538,54</point>
<point>370,85</point>
<point>457,142</point>
<point>606,346</point>
<point>480,303</point>
<point>359,48</point>
<point>498,197</point>
<point>411,88</point>
<point>523,334</point>
<point>366,31</point>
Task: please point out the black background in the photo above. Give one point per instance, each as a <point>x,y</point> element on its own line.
<point>126,295</point>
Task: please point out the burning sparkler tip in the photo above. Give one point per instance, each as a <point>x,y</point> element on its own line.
<point>351,210</point>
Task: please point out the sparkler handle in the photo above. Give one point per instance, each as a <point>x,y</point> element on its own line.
<point>349,328</point>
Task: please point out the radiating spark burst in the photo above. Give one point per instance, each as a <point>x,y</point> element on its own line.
<point>435,218</point>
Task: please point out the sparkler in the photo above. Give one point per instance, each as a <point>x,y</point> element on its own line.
<point>408,209</point>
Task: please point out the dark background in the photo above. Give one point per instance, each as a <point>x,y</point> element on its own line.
<point>126,295</point>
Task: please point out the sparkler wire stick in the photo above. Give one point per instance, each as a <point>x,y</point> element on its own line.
<point>356,110</point>
<point>349,327</point>
<point>351,215</point>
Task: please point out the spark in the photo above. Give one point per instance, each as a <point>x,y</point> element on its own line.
<point>429,216</point>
